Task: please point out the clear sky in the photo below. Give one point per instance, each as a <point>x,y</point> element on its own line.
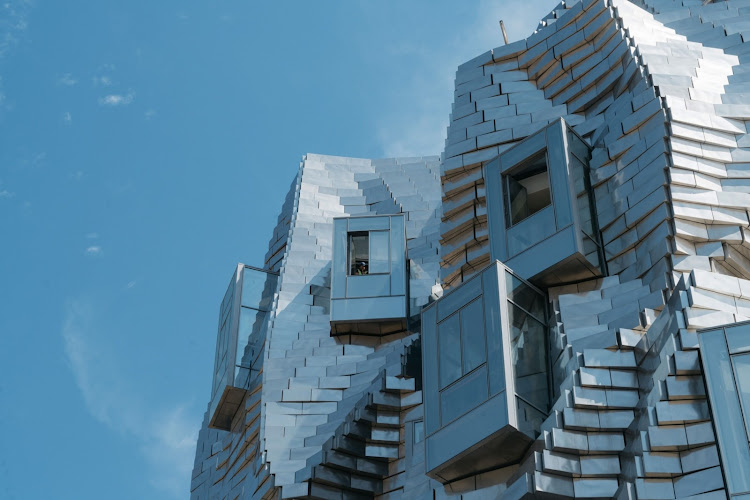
<point>145,148</point>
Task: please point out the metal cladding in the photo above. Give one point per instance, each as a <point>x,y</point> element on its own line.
<point>645,345</point>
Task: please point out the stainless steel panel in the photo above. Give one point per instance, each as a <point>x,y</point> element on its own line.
<point>368,223</point>
<point>372,285</point>
<point>368,308</point>
<point>463,396</point>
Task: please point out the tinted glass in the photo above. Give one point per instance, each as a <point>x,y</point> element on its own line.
<point>530,419</point>
<point>738,338</point>
<point>449,349</point>
<point>359,253</point>
<point>725,408</point>
<point>525,296</point>
<point>527,189</point>
<point>257,288</point>
<point>741,364</point>
<point>529,357</point>
<point>379,252</point>
<point>472,336</point>
<point>418,431</point>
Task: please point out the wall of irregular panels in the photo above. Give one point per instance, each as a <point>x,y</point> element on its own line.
<point>311,380</point>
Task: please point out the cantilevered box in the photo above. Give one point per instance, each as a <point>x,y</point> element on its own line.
<point>541,211</point>
<point>369,293</point>
<point>486,375</point>
<point>242,328</point>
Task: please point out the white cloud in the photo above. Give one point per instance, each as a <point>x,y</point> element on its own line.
<point>164,434</point>
<point>415,122</point>
<point>92,236</point>
<point>93,251</point>
<point>131,284</point>
<point>77,175</point>
<point>102,81</point>
<point>67,79</point>
<point>67,118</point>
<point>4,193</point>
<point>149,114</point>
<point>117,99</point>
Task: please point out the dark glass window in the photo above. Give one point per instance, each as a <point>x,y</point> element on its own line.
<point>369,252</point>
<point>359,253</point>
<point>527,189</point>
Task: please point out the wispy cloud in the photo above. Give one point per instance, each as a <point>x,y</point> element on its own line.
<point>102,81</point>
<point>114,100</point>
<point>149,114</point>
<point>131,284</point>
<point>92,236</point>
<point>164,434</point>
<point>67,118</point>
<point>67,79</point>
<point>14,14</point>
<point>5,194</point>
<point>93,251</point>
<point>415,123</point>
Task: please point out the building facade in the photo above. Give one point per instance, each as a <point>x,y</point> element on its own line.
<point>557,306</point>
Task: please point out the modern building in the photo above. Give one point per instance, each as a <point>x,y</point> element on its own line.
<point>557,306</point>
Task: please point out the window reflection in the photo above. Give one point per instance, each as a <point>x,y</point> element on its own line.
<point>524,296</point>
<point>741,363</point>
<point>529,357</point>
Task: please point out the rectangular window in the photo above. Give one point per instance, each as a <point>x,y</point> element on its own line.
<point>369,252</point>
<point>527,190</point>
<point>359,253</point>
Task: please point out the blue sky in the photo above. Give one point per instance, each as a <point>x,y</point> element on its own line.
<point>146,148</point>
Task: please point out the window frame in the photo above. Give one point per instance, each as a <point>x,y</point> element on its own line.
<point>368,233</point>
<point>509,174</point>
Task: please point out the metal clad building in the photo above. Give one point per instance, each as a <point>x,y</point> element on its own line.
<point>556,307</point>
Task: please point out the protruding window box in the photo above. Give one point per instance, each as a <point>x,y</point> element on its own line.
<point>486,376</point>
<point>242,328</point>
<point>541,210</point>
<point>369,292</point>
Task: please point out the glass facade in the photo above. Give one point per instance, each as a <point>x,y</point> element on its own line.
<point>725,354</point>
<point>486,374</point>
<point>243,316</point>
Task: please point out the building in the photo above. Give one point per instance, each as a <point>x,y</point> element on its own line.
<point>555,307</point>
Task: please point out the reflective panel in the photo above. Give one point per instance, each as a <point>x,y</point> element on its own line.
<point>530,419</point>
<point>368,223</point>
<point>258,288</point>
<point>473,336</point>
<point>463,396</point>
<point>527,189</point>
<point>398,260</point>
<point>741,364</point>
<point>725,408</point>
<point>738,338</point>
<point>373,285</point>
<point>418,431</point>
<point>524,296</point>
<point>449,347</point>
<point>379,252</point>
<point>531,231</point>
<point>529,357</point>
